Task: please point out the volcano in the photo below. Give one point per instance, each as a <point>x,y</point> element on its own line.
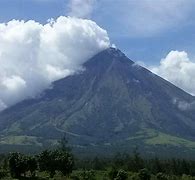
<point>112,105</point>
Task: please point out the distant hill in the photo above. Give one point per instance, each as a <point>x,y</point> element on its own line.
<point>113,105</point>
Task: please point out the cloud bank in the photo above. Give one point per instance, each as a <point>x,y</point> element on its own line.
<point>177,68</point>
<point>33,55</point>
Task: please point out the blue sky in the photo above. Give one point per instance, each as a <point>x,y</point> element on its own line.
<point>166,25</point>
<point>158,34</point>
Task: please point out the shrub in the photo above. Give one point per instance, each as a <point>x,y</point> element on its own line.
<point>121,175</point>
<point>144,174</point>
<point>3,174</point>
<point>87,175</point>
<point>161,176</point>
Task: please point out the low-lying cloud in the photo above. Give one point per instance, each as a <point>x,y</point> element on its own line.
<point>33,55</point>
<point>183,105</point>
<point>177,68</point>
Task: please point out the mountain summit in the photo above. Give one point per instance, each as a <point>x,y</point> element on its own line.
<point>112,105</point>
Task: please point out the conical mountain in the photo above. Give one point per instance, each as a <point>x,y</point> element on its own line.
<point>112,105</point>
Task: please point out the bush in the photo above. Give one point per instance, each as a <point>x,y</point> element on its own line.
<point>121,175</point>
<point>3,174</point>
<point>186,177</point>
<point>161,176</point>
<point>87,175</point>
<point>75,177</point>
<point>112,173</point>
<point>144,174</point>
<point>115,174</point>
<point>135,177</point>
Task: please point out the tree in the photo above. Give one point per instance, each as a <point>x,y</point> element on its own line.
<point>97,164</point>
<point>112,173</point>
<point>64,162</point>
<point>46,161</point>
<point>174,166</point>
<point>56,160</point>
<point>63,144</point>
<point>157,167</point>
<point>32,165</point>
<point>138,162</point>
<point>144,174</point>
<point>17,165</point>
<point>119,160</point>
<point>184,167</point>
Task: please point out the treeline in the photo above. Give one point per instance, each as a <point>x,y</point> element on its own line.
<point>61,162</point>
<point>135,162</point>
<point>125,166</point>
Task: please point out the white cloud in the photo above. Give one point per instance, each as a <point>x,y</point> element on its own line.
<point>177,68</point>
<point>183,105</point>
<point>81,8</point>
<point>33,55</point>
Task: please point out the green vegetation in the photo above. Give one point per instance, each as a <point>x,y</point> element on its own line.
<point>152,142</point>
<point>20,140</point>
<point>154,137</point>
<point>166,139</point>
<point>59,164</point>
